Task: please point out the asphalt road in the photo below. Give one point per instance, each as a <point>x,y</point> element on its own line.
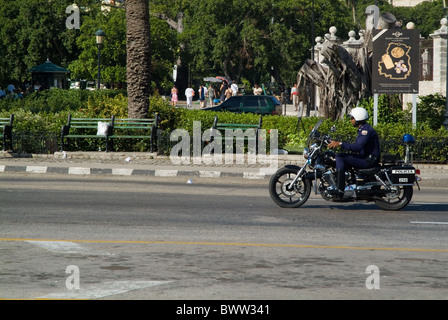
<point>103,237</point>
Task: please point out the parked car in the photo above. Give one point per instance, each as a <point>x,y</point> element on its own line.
<point>250,104</point>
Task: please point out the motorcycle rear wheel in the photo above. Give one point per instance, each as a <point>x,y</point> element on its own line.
<point>287,196</point>
<point>396,201</point>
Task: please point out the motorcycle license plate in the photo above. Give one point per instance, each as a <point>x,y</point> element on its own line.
<point>403,175</point>
<point>403,171</point>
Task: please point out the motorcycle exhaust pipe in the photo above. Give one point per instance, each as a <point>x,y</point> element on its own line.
<point>366,190</point>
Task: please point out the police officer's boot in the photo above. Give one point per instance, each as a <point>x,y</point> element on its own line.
<point>338,189</point>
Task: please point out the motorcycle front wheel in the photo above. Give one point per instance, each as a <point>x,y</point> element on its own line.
<point>397,199</point>
<point>286,195</point>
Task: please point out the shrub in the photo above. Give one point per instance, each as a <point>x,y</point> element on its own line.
<point>47,111</point>
<point>389,108</point>
<point>106,106</point>
<point>431,110</point>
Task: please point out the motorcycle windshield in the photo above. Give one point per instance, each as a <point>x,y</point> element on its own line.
<point>314,132</point>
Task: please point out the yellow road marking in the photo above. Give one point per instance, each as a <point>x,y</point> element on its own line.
<point>231,244</point>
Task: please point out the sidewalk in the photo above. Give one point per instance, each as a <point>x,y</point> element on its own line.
<point>136,163</point>
<point>143,163</point>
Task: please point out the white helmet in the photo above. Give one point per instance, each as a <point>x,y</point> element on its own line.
<point>359,114</point>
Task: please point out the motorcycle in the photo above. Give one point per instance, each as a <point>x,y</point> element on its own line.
<point>389,184</point>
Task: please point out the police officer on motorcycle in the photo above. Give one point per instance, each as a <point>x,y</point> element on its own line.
<point>366,147</point>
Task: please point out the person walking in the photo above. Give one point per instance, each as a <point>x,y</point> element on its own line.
<point>211,94</point>
<point>223,89</point>
<point>295,96</point>
<point>189,93</point>
<point>174,96</point>
<point>202,94</point>
<point>229,93</point>
<point>234,87</point>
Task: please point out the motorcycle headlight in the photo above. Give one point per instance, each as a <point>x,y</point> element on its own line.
<point>306,152</point>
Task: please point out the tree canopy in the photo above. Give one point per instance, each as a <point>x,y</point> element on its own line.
<point>242,39</point>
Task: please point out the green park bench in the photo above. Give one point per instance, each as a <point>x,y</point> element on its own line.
<point>6,133</point>
<point>135,129</point>
<point>238,130</point>
<point>83,128</point>
<point>77,128</point>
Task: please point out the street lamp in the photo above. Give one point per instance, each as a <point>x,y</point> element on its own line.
<point>445,123</point>
<point>99,34</point>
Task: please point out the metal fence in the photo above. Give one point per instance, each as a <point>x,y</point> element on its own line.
<point>425,150</point>
<point>35,142</point>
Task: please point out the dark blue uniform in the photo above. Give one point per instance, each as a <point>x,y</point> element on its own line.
<point>367,147</point>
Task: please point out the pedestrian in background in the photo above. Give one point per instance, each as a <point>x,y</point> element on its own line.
<point>189,93</point>
<point>211,94</point>
<point>257,90</point>
<point>202,92</point>
<point>224,87</point>
<point>174,96</point>
<point>229,93</point>
<point>295,96</point>
<point>234,87</point>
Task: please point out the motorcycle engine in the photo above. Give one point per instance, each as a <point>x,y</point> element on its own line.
<point>329,158</point>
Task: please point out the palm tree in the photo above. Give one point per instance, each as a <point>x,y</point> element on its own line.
<point>138,63</point>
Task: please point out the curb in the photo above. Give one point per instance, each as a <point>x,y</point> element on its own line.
<point>147,164</point>
<point>77,170</point>
<point>138,164</point>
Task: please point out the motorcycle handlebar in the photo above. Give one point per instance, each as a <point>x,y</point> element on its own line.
<point>325,139</point>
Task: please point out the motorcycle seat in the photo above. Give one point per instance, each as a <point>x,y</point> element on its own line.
<point>370,171</point>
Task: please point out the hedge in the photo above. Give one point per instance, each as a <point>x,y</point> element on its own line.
<point>44,113</point>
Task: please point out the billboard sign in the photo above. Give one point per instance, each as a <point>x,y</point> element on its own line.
<point>395,61</point>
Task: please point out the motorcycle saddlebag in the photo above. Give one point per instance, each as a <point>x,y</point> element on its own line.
<point>402,175</point>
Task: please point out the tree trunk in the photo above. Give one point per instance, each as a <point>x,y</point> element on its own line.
<point>182,70</point>
<point>343,79</point>
<point>138,48</point>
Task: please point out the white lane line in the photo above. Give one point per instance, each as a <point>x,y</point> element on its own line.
<point>429,222</point>
<point>103,290</point>
<point>65,247</point>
